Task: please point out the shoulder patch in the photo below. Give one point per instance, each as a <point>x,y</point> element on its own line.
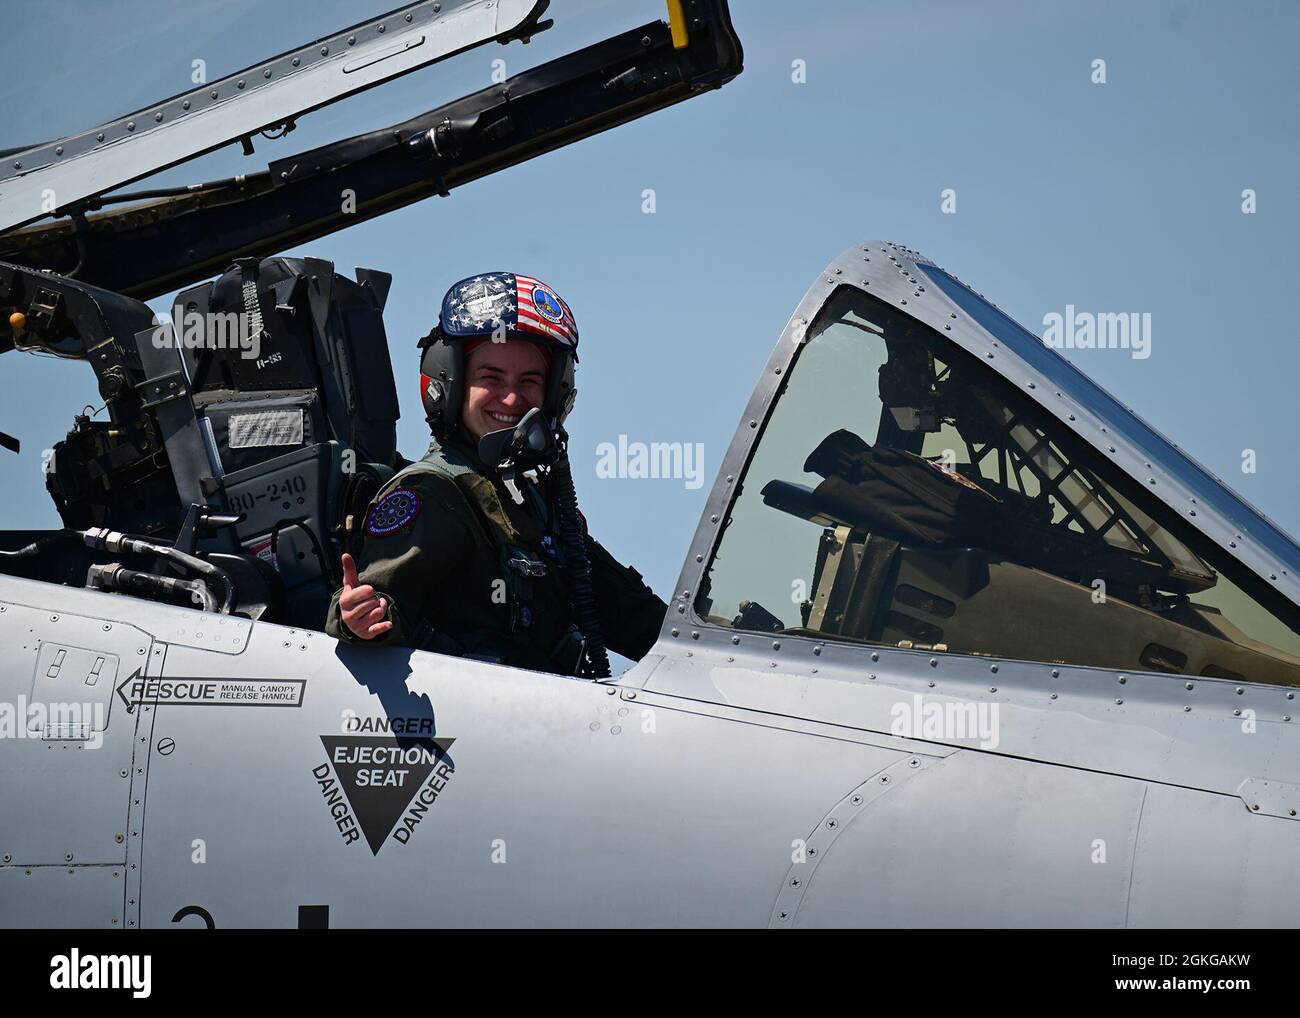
<point>393,513</point>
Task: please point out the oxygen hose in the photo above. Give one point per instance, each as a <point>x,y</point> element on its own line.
<point>583,596</point>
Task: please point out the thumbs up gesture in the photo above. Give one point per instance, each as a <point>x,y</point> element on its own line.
<point>363,612</point>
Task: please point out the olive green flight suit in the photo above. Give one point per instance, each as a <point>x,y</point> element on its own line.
<point>469,571</point>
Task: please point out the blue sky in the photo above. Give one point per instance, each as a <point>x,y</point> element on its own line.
<point>1117,197</point>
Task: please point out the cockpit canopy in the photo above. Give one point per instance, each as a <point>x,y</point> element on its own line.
<point>904,492</point>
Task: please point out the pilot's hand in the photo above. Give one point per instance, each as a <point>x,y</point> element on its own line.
<point>363,612</point>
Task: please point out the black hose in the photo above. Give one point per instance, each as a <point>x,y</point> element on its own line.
<point>41,543</point>
<point>194,563</point>
<point>102,538</point>
<point>133,581</point>
<point>581,593</point>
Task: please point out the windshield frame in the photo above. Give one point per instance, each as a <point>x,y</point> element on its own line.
<point>1200,508</point>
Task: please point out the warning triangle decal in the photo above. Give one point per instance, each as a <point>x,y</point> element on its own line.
<point>380,776</point>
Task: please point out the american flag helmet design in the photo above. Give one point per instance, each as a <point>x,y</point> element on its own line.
<point>526,308</point>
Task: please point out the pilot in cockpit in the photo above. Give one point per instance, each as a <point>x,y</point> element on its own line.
<point>478,549</point>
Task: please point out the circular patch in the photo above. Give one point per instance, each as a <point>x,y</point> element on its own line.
<point>395,511</point>
<point>547,304</point>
